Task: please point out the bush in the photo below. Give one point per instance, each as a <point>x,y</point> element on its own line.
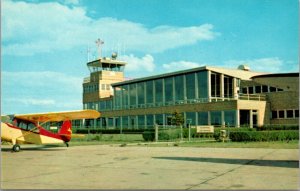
<point>277,127</point>
<point>108,131</point>
<point>240,136</point>
<point>149,135</point>
<point>217,133</point>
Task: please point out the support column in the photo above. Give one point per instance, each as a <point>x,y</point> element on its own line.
<point>222,86</point>
<point>237,121</point>
<point>208,85</point>
<point>251,118</point>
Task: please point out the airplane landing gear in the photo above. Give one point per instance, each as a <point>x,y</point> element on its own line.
<point>67,144</point>
<point>16,148</point>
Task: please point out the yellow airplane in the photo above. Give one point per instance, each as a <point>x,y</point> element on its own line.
<point>27,128</point>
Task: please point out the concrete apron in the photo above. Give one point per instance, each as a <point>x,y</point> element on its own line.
<point>114,167</point>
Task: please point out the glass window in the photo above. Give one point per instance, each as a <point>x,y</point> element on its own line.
<point>168,118</point>
<point>132,122</point>
<point>103,120</point>
<point>108,104</point>
<point>102,105</point>
<point>168,89</point>
<point>215,85</point>
<point>228,86</point>
<point>290,113</point>
<point>149,91</point>
<point>215,118</point>
<point>125,95</point>
<point>179,89</point>
<point>141,121</point>
<point>202,84</point>
<point>117,97</point>
<point>274,115</point>
<point>149,119</point>
<point>140,92</point>
<point>250,90</point>
<point>190,117</point>
<point>103,86</point>
<point>158,91</point>
<point>296,113</point>
<point>118,122</point>
<point>202,118</point>
<point>125,122</point>
<point>264,89</point>
<point>245,90</point>
<point>230,118</point>
<point>110,122</point>
<point>257,89</point>
<point>281,114</point>
<point>132,94</point>
<point>159,119</point>
<point>107,87</point>
<point>272,89</point>
<point>190,86</point>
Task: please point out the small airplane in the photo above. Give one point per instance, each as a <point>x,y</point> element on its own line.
<point>27,128</point>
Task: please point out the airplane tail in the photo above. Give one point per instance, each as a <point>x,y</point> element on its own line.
<point>66,131</point>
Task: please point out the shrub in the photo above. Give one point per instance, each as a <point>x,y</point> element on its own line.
<point>217,133</point>
<point>240,136</point>
<point>277,127</point>
<point>108,131</point>
<point>149,135</point>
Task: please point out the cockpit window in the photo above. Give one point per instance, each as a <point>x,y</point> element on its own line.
<point>26,125</point>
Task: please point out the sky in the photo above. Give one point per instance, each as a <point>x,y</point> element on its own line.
<point>45,44</point>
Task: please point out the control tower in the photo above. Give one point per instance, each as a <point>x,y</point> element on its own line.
<point>103,72</point>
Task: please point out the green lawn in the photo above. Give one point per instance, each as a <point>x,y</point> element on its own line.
<point>137,140</point>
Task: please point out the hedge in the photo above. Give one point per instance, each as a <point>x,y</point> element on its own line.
<point>229,130</point>
<point>277,127</point>
<point>169,134</point>
<point>108,131</point>
<point>239,136</point>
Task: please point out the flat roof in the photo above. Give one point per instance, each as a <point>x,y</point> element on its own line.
<point>99,62</point>
<point>278,75</point>
<point>237,73</point>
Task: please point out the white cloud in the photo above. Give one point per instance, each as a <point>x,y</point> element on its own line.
<point>135,64</point>
<point>271,64</point>
<point>30,28</point>
<point>31,101</point>
<point>42,80</point>
<point>46,91</point>
<point>180,65</point>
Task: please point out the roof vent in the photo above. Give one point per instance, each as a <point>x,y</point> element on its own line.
<point>244,67</point>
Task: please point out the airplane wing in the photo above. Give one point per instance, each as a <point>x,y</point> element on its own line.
<point>60,116</point>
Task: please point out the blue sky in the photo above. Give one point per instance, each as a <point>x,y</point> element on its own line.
<point>44,43</point>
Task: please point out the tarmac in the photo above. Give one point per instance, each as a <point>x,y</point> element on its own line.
<point>137,167</point>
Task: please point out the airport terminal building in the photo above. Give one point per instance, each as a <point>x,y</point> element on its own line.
<point>204,96</point>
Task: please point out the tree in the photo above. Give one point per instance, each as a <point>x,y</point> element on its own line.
<point>177,119</point>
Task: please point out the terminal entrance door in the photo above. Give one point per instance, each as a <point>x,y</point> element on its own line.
<point>248,118</point>
<point>245,118</point>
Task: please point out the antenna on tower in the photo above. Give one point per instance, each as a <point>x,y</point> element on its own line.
<point>99,43</point>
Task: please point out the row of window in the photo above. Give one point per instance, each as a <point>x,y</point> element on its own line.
<point>285,114</point>
<point>95,88</point>
<point>260,89</point>
<point>169,90</point>
<point>216,118</point>
<point>100,106</point>
<point>90,88</point>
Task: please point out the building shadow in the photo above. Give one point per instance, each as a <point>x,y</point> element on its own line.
<point>253,162</point>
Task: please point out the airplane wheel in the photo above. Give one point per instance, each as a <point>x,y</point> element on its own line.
<point>16,148</point>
